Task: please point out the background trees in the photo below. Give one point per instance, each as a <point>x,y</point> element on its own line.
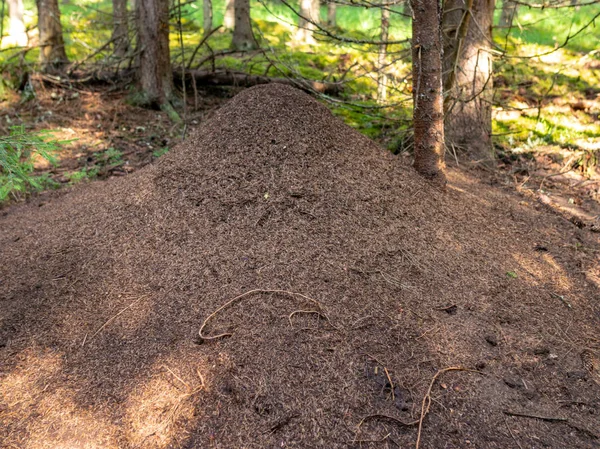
<point>243,36</point>
<point>16,30</point>
<point>428,107</point>
<point>357,57</point>
<point>120,34</point>
<point>52,46</point>
<point>468,76</point>
<point>155,76</point>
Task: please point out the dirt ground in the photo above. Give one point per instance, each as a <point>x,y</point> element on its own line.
<point>278,280</point>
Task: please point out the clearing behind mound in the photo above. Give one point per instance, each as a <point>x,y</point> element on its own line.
<point>103,292</point>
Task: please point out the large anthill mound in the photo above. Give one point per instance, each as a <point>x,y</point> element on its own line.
<point>383,281</point>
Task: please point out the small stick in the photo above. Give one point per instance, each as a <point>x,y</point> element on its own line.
<point>444,309</point>
<point>387,373</point>
<point>115,316</point>
<point>512,434</point>
<point>543,418</point>
<point>563,299</point>
<point>243,295</point>
<point>296,312</point>
<point>178,378</point>
<point>427,398</point>
<point>382,416</point>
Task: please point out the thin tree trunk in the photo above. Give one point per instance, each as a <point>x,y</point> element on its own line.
<point>52,46</point>
<point>468,83</point>
<point>309,16</point>
<point>120,34</point>
<point>381,60</point>
<point>207,10</point>
<point>508,14</point>
<point>155,77</point>
<point>331,13</point>
<point>243,37</point>
<point>428,108</point>
<point>229,19</point>
<point>17,34</point>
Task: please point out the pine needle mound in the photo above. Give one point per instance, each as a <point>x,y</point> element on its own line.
<point>330,283</point>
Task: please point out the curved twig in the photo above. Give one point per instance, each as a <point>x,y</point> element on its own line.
<point>244,295</point>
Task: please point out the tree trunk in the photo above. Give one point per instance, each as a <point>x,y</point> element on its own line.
<point>52,46</point>
<point>508,14</point>
<point>229,19</point>
<point>428,106</point>
<point>467,28</point>
<point>381,60</point>
<point>331,14</point>
<point>120,34</point>
<point>207,22</point>
<point>243,37</point>
<point>155,77</point>
<point>17,34</point>
<point>309,15</point>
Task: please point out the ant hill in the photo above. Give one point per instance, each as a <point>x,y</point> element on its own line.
<point>278,280</point>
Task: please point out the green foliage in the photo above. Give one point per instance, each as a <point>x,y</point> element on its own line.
<point>84,174</point>
<point>18,152</point>
<point>160,152</point>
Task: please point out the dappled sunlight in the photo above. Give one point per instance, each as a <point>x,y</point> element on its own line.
<point>158,407</point>
<point>41,410</point>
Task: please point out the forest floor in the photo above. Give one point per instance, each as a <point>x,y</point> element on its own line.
<point>277,280</point>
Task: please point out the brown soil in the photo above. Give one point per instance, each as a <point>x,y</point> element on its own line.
<point>103,292</point>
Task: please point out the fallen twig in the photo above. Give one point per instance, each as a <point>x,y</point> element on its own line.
<point>316,312</point>
<point>387,373</point>
<point>382,416</point>
<point>512,434</point>
<point>114,317</point>
<point>244,295</point>
<point>427,398</point>
<point>527,415</point>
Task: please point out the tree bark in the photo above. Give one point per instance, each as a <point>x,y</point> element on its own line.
<point>508,14</point>
<point>52,46</point>
<point>120,33</point>
<point>155,78</point>
<point>207,10</point>
<point>229,19</point>
<point>381,59</point>
<point>428,107</point>
<point>17,33</point>
<point>243,37</point>
<point>467,28</point>
<point>331,14</point>
<point>309,15</point>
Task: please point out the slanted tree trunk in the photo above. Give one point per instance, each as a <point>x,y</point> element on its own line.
<point>381,60</point>
<point>308,17</point>
<point>243,37</point>
<point>207,10</point>
<point>331,13</point>
<point>229,19</point>
<point>467,28</point>
<point>120,33</point>
<point>428,107</point>
<point>52,46</point>
<point>17,34</point>
<point>508,14</point>
<point>155,77</point>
